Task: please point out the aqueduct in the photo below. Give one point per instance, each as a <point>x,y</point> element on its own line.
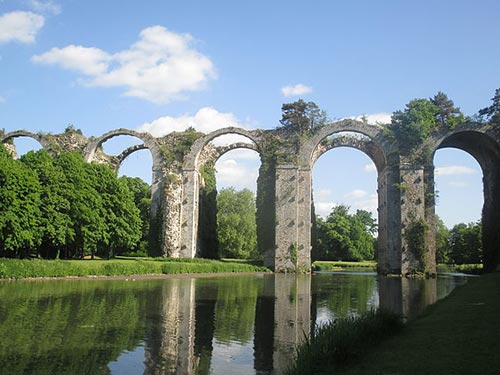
<point>406,200</point>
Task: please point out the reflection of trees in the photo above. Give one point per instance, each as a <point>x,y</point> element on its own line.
<point>235,308</point>
<point>66,327</point>
<point>345,294</point>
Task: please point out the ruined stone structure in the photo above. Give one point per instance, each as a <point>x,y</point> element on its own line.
<point>405,186</point>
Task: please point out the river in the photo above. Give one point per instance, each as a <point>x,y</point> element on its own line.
<point>248,324</point>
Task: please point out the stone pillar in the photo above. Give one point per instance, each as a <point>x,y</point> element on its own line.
<point>304,219</point>
<point>189,213</point>
<point>491,218</point>
<point>430,219</point>
<point>413,219</point>
<point>11,148</point>
<point>293,219</point>
<point>171,212</point>
<point>389,227</point>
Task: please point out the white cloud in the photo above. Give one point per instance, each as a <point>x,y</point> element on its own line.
<point>356,194</point>
<point>90,61</point>
<point>453,170</point>
<point>206,120</point>
<point>2,100</point>
<point>296,90</point>
<point>323,208</point>
<point>358,200</point>
<point>369,168</point>
<point>368,204</point>
<point>322,194</point>
<point>20,26</point>
<point>375,118</point>
<point>232,173</point>
<point>160,67</point>
<point>46,7</point>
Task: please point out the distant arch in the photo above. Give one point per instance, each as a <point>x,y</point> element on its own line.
<point>126,153</point>
<point>192,160</point>
<point>221,150</point>
<point>24,133</point>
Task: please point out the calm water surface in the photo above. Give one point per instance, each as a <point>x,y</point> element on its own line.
<point>207,325</point>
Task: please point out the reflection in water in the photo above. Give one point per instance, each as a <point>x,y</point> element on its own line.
<point>238,324</point>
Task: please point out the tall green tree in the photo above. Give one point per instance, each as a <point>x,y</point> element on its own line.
<point>421,117</point>
<point>447,114</point>
<point>466,244</point>
<point>492,113</point>
<point>345,236</point>
<point>56,226</point>
<point>122,223</point>
<point>20,214</point>
<point>442,242</point>
<point>302,117</point>
<point>236,228</point>
<point>141,192</point>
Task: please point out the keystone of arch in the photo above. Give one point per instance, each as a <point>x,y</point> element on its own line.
<point>191,161</point>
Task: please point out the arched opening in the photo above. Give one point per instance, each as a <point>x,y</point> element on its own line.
<point>228,167</point>
<point>21,144</point>
<point>472,154</point>
<point>345,204</point>
<point>345,200</point>
<point>458,178</point>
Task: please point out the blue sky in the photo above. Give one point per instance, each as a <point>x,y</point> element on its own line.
<point>160,66</point>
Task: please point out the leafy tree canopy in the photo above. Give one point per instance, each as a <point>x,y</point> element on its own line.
<point>345,236</point>
<point>236,228</point>
<point>63,207</point>
<point>492,113</point>
<point>302,117</point>
<point>423,116</point>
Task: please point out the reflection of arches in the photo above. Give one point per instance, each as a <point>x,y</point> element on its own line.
<point>23,133</point>
<point>481,142</point>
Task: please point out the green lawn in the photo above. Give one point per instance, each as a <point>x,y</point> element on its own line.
<point>457,335</point>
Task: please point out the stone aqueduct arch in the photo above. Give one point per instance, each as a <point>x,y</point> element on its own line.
<point>191,181</point>
<point>405,190</point>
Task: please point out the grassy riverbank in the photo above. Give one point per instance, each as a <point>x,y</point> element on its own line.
<point>26,268</point>
<point>457,335</point>
<point>343,341</point>
<point>364,266</point>
<point>371,266</point>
